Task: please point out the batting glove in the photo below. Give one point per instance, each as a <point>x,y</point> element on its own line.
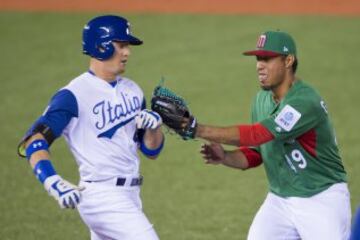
<point>148,119</point>
<point>67,194</point>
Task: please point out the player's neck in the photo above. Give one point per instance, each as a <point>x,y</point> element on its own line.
<point>100,72</point>
<point>280,92</point>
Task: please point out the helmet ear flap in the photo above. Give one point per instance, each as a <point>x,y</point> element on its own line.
<point>104,50</point>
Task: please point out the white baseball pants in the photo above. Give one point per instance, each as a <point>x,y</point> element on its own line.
<point>324,216</point>
<point>114,212</point>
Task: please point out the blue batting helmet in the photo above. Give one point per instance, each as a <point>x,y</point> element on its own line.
<point>100,32</point>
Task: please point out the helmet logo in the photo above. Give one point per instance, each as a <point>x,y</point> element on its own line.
<point>261,42</point>
<point>128,32</point>
<point>107,31</point>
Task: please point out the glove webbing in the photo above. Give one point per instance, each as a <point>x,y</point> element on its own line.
<point>165,92</point>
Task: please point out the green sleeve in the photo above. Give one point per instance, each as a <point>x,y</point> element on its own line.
<point>296,116</point>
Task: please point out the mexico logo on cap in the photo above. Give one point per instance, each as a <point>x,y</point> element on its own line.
<point>261,41</point>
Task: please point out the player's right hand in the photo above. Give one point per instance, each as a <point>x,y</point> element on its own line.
<point>67,194</point>
<point>148,119</point>
<point>213,153</point>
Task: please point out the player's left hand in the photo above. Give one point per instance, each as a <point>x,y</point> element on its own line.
<point>213,153</point>
<point>148,119</point>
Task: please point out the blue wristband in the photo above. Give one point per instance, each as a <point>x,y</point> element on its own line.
<point>44,169</point>
<point>151,152</point>
<point>36,145</point>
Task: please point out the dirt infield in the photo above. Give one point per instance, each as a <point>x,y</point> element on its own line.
<point>282,7</point>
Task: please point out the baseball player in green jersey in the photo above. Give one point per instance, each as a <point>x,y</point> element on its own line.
<point>292,135</point>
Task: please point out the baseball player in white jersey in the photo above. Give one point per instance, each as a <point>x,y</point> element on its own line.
<point>103,118</point>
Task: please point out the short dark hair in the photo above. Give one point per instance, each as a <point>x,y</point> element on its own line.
<point>295,65</point>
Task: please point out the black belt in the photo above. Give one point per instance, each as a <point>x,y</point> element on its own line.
<point>134,181</point>
<point>121,181</point>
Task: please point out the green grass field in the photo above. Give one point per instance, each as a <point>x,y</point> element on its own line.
<point>200,57</point>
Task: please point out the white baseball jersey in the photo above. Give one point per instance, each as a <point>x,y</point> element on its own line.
<point>97,120</point>
<point>102,136</point>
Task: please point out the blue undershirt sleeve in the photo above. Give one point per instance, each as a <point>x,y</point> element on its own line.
<point>61,109</point>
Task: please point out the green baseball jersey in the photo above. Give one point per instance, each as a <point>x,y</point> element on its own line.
<point>303,159</point>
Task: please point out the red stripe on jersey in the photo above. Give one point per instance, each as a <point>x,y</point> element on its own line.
<point>308,142</point>
<point>253,157</point>
<point>254,135</point>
